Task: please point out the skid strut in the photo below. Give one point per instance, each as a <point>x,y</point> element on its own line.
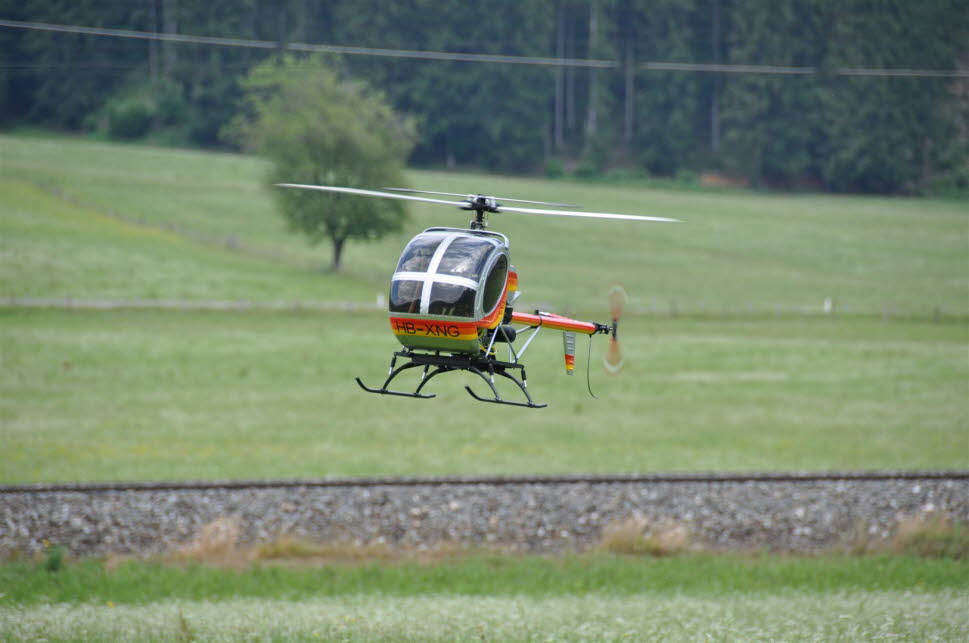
<point>484,366</point>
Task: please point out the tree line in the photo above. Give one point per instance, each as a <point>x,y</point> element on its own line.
<point>823,129</point>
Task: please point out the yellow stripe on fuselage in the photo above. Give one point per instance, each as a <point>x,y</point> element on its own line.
<point>442,329</point>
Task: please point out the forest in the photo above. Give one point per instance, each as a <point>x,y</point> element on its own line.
<point>844,96</point>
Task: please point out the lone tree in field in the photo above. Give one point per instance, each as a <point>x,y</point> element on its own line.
<point>320,128</point>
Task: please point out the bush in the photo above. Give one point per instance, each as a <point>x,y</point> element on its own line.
<point>687,177</point>
<point>623,174</point>
<point>129,118</point>
<point>637,537</point>
<point>142,109</point>
<point>554,168</point>
<point>932,536</point>
<point>54,559</point>
<point>595,158</point>
<point>953,184</point>
<point>587,169</point>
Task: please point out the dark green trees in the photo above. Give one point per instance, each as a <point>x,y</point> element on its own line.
<point>827,127</point>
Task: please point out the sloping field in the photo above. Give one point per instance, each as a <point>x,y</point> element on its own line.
<point>735,251</point>
<point>149,395</point>
<point>55,246</point>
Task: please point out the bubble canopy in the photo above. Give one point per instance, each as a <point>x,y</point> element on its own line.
<point>450,273</point>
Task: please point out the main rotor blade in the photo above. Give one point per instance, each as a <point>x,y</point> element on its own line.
<point>464,203</point>
<point>497,198</point>
<point>592,215</point>
<point>385,195</point>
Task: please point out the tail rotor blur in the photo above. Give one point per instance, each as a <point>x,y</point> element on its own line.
<point>613,359</point>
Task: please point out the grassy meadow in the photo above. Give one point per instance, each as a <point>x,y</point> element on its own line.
<point>803,616</point>
<point>484,597</point>
<point>96,219</point>
<point>749,375</point>
<point>121,395</point>
<point>730,365</point>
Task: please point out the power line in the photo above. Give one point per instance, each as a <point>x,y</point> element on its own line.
<point>728,69</point>
<point>306,47</point>
<point>476,58</point>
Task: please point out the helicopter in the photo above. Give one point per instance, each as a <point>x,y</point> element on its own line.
<point>453,293</point>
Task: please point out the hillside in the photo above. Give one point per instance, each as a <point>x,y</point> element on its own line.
<point>145,394</point>
<point>189,224</point>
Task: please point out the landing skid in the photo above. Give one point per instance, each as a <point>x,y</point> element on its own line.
<point>434,364</point>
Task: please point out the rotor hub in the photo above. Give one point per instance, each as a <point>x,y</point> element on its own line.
<point>481,202</point>
<point>480,205</point>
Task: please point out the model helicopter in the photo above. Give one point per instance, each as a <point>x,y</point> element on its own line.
<point>453,293</point>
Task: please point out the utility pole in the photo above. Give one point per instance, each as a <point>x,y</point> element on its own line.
<point>591,117</point>
<point>630,90</point>
<point>627,37</point>
<point>570,73</point>
<point>169,26</point>
<point>717,80</point>
<point>152,43</point>
<point>299,34</point>
<point>559,137</point>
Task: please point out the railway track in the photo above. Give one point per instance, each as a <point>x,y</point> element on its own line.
<point>792,512</point>
<point>415,481</point>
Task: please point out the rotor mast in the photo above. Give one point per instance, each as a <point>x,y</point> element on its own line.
<point>480,204</point>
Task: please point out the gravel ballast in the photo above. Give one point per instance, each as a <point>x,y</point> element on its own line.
<point>794,515</point>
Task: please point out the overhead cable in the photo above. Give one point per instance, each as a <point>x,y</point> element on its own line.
<point>477,58</point>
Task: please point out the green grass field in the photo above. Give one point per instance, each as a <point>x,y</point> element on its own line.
<point>793,616</point>
<point>749,375</point>
<point>589,597</point>
<point>157,395</point>
<point>96,219</point>
<point>170,395</point>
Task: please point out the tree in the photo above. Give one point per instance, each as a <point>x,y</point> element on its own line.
<point>320,128</point>
<point>894,134</point>
<point>492,116</point>
<point>669,116</point>
<point>772,123</point>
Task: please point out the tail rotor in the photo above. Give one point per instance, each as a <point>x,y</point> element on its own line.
<point>613,359</point>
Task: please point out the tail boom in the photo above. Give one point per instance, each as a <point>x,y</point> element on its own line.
<point>558,322</point>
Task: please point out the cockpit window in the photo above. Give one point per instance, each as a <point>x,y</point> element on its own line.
<point>405,296</point>
<point>452,300</point>
<point>418,253</point>
<point>441,273</point>
<point>465,257</point>
<point>495,284</point>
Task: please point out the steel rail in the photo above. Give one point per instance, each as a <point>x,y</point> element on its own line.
<point>553,480</point>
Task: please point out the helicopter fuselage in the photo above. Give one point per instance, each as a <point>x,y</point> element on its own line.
<point>450,288</point>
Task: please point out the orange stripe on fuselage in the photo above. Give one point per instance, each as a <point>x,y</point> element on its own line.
<point>498,313</point>
<point>492,320</point>
<point>446,329</point>
<point>555,322</point>
<point>434,328</point>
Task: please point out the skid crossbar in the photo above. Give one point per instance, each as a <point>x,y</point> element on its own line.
<point>484,366</point>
